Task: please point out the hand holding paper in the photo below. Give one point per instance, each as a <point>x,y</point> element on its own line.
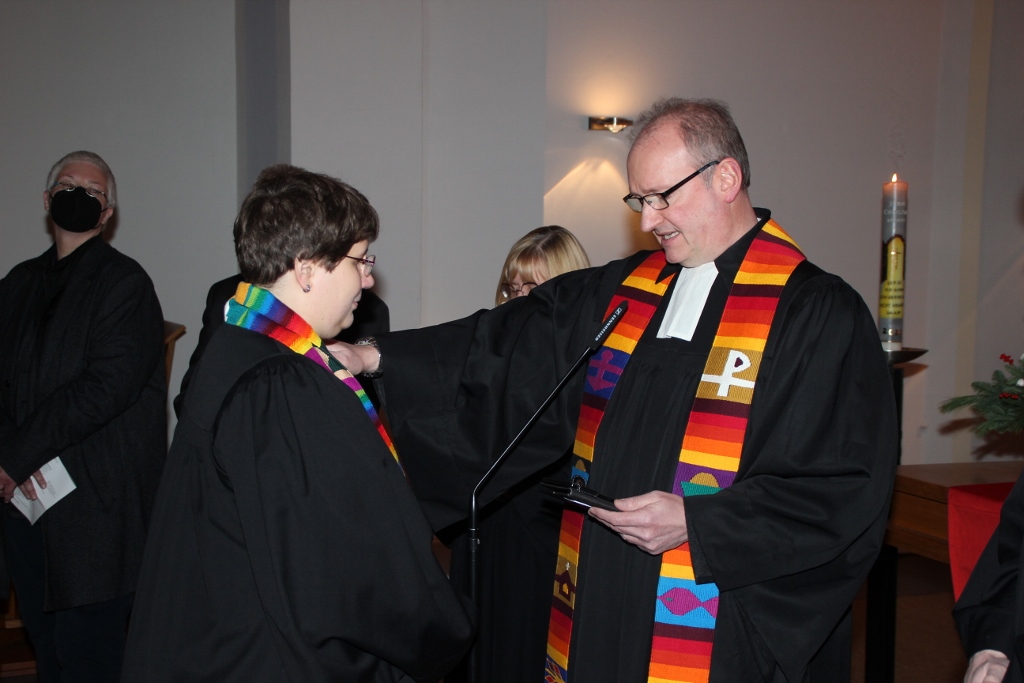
<point>58,485</point>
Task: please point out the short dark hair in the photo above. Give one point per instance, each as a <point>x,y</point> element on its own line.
<point>294,213</point>
<point>707,129</point>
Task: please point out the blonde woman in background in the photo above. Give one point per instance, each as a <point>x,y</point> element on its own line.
<point>519,530</point>
<point>538,256</point>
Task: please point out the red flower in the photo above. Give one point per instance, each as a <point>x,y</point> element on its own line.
<point>1006,359</point>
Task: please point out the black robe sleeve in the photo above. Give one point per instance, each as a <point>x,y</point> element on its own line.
<point>459,392</point>
<point>990,612</point>
<point>792,540</point>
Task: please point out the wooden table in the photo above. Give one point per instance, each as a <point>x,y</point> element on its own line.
<point>917,518</point>
<point>917,524</point>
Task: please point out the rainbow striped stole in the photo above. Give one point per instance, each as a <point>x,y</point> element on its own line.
<point>685,613</point>
<point>256,309</point>
<point>709,457</point>
<point>644,293</point>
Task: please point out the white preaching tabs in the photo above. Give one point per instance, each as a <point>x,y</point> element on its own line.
<point>58,485</point>
<point>687,302</point>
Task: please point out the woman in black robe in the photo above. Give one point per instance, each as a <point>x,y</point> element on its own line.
<point>286,544</point>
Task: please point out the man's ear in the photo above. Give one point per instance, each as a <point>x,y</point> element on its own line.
<point>728,178</point>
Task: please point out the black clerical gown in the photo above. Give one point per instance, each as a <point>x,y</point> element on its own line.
<point>990,611</point>
<point>286,544</point>
<point>791,541</point>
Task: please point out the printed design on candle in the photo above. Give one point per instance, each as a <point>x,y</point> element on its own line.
<point>893,270</point>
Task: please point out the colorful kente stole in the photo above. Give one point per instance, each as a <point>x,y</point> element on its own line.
<point>709,458</point>
<point>258,310</point>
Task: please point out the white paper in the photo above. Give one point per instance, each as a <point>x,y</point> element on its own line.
<point>58,485</point>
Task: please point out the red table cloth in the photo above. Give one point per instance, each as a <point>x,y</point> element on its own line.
<point>973,514</point>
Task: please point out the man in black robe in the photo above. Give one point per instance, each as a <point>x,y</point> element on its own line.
<point>791,541</point>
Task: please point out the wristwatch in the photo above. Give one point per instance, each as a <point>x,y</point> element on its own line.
<point>370,341</point>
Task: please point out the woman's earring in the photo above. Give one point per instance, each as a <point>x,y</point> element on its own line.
<point>308,287</point>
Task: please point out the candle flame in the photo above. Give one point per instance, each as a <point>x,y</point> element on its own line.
<point>894,177</point>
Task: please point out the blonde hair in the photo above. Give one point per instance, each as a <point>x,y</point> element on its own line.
<point>540,255</point>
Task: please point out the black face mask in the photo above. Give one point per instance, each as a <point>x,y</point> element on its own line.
<point>75,210</point>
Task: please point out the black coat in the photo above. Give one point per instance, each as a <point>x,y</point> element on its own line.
<point>82,377</point>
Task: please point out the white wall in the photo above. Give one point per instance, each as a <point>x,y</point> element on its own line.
<point>463,122</point>
<point>1000,327</point>
<point>434,110</point>
<point>831,98</point>
<point>975,251</point>
<point>150,87</point>
<point>356,114</point>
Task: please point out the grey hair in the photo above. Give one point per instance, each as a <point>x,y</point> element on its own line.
<point>89,158</point>
<point>706,127</point>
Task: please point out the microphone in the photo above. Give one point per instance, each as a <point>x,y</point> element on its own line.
<point>606,328</point>
<point>473,532</point>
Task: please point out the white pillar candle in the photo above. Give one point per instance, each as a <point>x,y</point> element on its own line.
<point>894,248</point>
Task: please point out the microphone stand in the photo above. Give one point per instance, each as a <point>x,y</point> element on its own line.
<point>474,518</point>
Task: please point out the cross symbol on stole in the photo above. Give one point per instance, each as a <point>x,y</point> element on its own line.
<point>602,364</point>
<point>736,362</point>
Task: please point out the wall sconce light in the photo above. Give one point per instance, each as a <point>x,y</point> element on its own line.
<point>612,123</point>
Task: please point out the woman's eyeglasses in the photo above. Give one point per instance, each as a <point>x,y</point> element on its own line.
<point>366,263</point>
<point>510,291</point>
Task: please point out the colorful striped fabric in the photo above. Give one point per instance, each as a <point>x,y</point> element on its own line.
<point>256,309</point>
<point>685,612</point>
<point>643,292</point>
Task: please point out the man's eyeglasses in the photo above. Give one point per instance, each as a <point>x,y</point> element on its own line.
<point>91,191</point>
<point>365,264</point>
<point>659,200</point>
<point>510,291</point>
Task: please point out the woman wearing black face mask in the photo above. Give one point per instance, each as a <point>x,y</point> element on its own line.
<point>81,380</point>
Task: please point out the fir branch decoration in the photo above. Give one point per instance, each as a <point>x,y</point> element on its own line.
<point>1000,403</point>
